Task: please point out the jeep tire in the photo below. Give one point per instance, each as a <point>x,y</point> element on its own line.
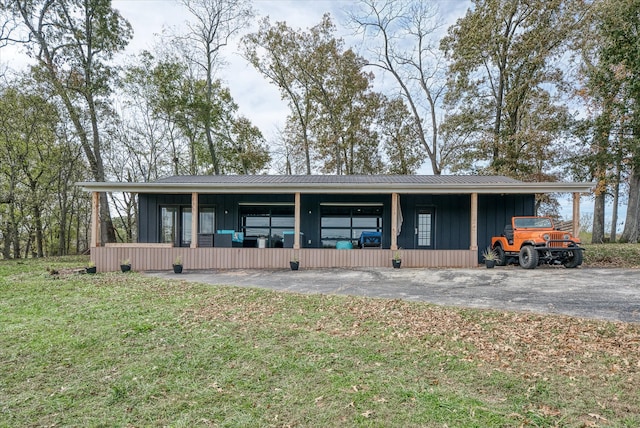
<point>574,261</point>
<point>501,258</point>
<point>528,257</point>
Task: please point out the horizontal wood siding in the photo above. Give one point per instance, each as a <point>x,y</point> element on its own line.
<point>108,259</point>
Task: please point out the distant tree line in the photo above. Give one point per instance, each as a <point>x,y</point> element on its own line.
<point>535,90</point>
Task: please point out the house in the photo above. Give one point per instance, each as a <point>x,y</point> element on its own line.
<point>262,221</point>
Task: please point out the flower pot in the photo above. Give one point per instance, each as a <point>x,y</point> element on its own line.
<point>294,265</point>
<point>177,268</point>
<point>91,269</point>
<point>490,264</point>
<point>396,263</point>
<point>125,268</point>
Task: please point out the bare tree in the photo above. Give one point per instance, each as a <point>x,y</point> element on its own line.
<point>406,50</point>
<point>278,53</point>
<point>215,23</point>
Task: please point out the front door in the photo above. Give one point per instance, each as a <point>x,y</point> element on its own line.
<point>424,228</point>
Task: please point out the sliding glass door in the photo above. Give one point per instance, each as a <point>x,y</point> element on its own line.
<point>176,224</point>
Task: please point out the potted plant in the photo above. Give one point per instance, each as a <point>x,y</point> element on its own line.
<point>91,267</point>
<point>125,265</point>
<point>294,263</point>
<point>397,259</point>
<point>177,265</point>
<point>490,257</point>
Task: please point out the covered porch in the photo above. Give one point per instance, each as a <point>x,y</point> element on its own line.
<point>400,192</point>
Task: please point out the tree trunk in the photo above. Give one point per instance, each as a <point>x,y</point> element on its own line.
<point>6,241</point>
<point>616,187</point>
<point>614,213</point>
<point>631,224</point>
<point>62,232</point>
<point>107,231</point>
<point>37,219</point>
<point>14,236</point>
<point>212,149</point>
<point>597,236</point>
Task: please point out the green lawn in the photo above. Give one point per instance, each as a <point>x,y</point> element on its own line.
<point>612,255</point>
<point>126,350</point>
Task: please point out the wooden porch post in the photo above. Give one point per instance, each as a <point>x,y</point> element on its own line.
<point>474,222</point>
<point>394,220</point>
<point>194,220</point>
<point>576,215</point>
<point>95,219</point>
<point>296,227</point>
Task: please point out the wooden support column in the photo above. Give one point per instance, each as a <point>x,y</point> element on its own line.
<point>296,228</point>
<point>474,222</point>
<point>95,219</point>
<point>194,220</point>
<point>395,200</point>
<point>576,215</point>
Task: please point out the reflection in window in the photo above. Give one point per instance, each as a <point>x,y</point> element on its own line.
<point>185,236</point>
<point>168,224</point>
<point>267,221</point>
<point>346,223</point>
<point>176,223</point>
<point>206,223</point>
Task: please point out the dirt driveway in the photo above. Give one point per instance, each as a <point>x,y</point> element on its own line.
<point>611,294</point>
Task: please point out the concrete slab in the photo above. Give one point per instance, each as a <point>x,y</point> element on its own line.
<point>609,294</point>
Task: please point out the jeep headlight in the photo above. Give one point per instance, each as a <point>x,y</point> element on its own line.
<point>546,237</point>
<point>566,237</point>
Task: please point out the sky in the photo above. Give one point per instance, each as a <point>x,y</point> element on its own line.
<point>258,99</point>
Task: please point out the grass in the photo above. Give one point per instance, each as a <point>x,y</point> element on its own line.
<point>127,350</point>
<point>612,255</point>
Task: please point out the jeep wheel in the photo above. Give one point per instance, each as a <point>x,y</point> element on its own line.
<point>501,258</point>
<point>574,260</point>
<point>528,257</point>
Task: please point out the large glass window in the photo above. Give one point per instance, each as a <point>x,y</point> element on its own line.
<point>168,224</point>
<point>185,236</point>
<point>207,220</point>
<point>176,222</point>
<point>346,223</point>
<point>268,222</point>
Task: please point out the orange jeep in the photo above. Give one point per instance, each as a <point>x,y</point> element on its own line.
<point>534,241</point>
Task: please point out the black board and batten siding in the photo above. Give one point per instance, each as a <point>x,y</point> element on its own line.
<point>451,214</point>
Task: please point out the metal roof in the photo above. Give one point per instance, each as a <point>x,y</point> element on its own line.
<point>342,179</point>
<point>370,184</point>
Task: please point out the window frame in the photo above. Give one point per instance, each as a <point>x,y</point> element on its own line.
<point>181,229</point>
<point>274,233</point>
<point>350,212</point>
<point>431,233</point>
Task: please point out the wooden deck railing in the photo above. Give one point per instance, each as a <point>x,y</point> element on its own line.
<point>155,257</point>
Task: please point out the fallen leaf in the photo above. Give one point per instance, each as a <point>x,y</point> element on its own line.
<point>367,414</point>
<point>597,417</point>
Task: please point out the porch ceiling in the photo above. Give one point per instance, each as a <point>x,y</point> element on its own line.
<point>272,184</point>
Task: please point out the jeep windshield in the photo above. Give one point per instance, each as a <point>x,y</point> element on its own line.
<point>532,223</point>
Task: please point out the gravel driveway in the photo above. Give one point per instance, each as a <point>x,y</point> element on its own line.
<point>610,294</point>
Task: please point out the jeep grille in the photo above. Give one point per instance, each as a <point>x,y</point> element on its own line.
<point>557,236</point>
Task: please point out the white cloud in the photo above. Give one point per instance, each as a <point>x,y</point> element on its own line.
<point>258,100</point>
